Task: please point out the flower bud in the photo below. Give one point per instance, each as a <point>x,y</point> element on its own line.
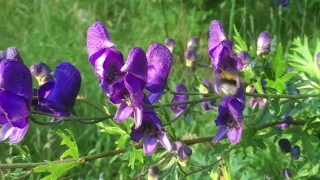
<point>2,55</point>
<point>286,173</point>
<point>245,58</point>
<point>13,53</point>
<point>193,43</point>
<point>295,152</point>
<point>263,43</point>
<point>170,44</point>
<point>183,153</point>
<point>285,145</point>
<point>191,57</point>
<point>153,173</point>
<point>41,72</point>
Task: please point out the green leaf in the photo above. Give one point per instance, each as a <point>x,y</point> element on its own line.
<point>71,144</point>
<point>240,45</point>
<point>134,154</point>
<point>56,170</point>
<point>278,62</point>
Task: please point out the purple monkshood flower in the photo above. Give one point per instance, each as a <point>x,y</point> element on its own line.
<point>59,96</point>
<point>230,117</point>
<point>41,72</point>
<point>191,57</point>
<point>159,66</point>
<point>129,92</point>
<point>15,100</point>
<point>208,105</point>
<point>193,43</point>
<point>318,60</point>
<point>245,58</point>
<point>220,48</point>
<point>287,174</point>
<point>285,145</point>
<point>263,43</point>
<point>151,131</point>
<point>182,151</point>
<point>180,88</point>
<point>295,152</point>
<point>106,60</point>
<point>286,118</point>
<point>170,44</point>
<point>257,101</point>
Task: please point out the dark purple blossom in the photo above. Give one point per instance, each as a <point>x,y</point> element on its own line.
<point>230,117</point>
<point>180,88</point>
<point>41,72</point>
<point>15,100</point>
<point>286,118</point>
<point>159,66</point>
<point>59,96</point>
<point>208,105</point>
<point>193,43</point>
<point>263,43</point>
<point>295,152</point>
<point>191,57</point>
<point>286,173</point>
<point>285,145</point>
<point>106,60</point>
<point>129,93</point>
<point>151,131</point>
<point>245,58</point>
<point>170,44</point>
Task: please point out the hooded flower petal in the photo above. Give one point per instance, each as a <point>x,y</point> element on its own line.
<point>63,95</point>
<point>13,53</point>
<point>98,38</point>
<point>263,43</point>
<point>221,133</point>
<point>234,135</point>
<point>180,88</point>
<point>216,35</point>
<point>165,140</point>
<point>16,78</point>
<point>41,71</point>
<point>149,145</point>
<point>124,112</point>
<point>136,64</point>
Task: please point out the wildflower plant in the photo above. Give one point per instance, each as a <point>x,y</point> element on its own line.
<point>144,107</point>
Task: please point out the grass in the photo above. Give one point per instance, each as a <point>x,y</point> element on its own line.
<point>55,31</point>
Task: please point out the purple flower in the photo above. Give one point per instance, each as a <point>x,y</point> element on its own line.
<point>245,58</point>
<point>191,57</point>
<point>129,93</point>
<point>159,66</point>
<point>41,72</point>
<point>230,117</point>
<point>151,131</point>
<point>285,145</point>
<point>153,173</point>
<point>58,97</point>
<point>263,43</point>
<point>295,152</point>
<point>287,174</point>
<point>170,44</point>
<point>15,100</point>
<point>106,60</point>
<point>318,60</point>
<point>257,101</point>
<point>182,151</point>
<point>208,105</point>
<point>193,43</point>
<point>286,118</point>
<point>11,53</point>
<point>180,88</point>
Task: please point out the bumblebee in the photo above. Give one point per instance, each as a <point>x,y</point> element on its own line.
<point>228,83</point>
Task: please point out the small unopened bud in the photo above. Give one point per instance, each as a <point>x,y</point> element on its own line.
<point>285,145</point>
<point>245,58</point>
<point>295,152</point>
<point>191,57</point>
<point>183,153</point>
<point>13,53</point>
<point>170,44</point>
<point>193,43</point>
<point>263,43</point>
<point>153,173</point>
<point>286,173</point>
<point>41,72</point>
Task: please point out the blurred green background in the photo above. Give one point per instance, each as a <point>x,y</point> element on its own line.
<point>52,31</point>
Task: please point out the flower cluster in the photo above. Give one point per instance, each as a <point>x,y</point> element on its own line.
<point>124,83</point>
<point>57,92</point>
<point>226,81</point>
